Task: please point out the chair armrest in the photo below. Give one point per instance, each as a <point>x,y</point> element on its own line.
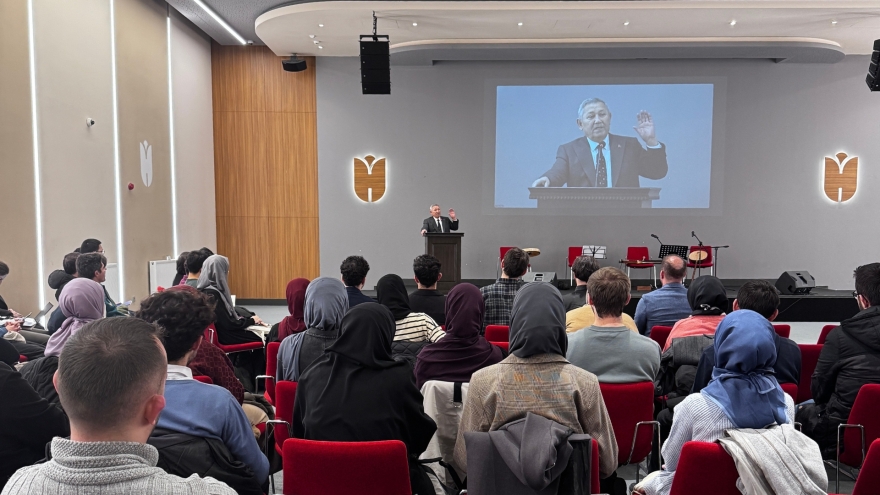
<point>281,421</point>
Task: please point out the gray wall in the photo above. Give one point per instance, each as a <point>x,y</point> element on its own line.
<point>780,121</point>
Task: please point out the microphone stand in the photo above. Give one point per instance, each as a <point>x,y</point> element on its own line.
<point>715,259</point>
<point>700,262</point>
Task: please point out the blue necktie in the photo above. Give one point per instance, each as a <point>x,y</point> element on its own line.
<point>602,176</point>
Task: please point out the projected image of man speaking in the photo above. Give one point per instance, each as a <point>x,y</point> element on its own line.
<point>602,159</point>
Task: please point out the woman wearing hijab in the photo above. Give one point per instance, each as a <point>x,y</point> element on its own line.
<point>462,351</point>
<point>708,299</point>
<point>537,378</point>
<point>231,327</point>
<point>326,301</point>
<point>356,392</point>
<point>411,326</point>
<point>743,393</point>
<point>295,323</point>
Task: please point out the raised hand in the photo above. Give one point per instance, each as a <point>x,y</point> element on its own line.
<point>452,214</point>
<point>645,128</point>
<point>542,182</point>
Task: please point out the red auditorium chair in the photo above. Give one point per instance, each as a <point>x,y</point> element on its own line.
<point>285,395</point>
<point>503,345</point>
<point>203,379</point>
<point>706,263</point>
<point>791,389</point>
<point>211,336</point>
<point>782,330</point>
<point>271,369</point>
<point>22,358</point>
<point>345,468</point>
<point>809,358</point>
<point>573,253</point>
<point>861,429</point>
<point>869,475</point>
<point>824,333</point>
<point>703,468</point>
<point>634,254</point>
<point>659,334</point>
<point>631,409</point>
<point>501,252</point>
<point>498,333</point>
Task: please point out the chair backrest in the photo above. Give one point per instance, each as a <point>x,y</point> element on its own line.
<point>344,468</point>
<point>203,379</point>
<point>573,253</point>
<point>706,261</point>
<point>703,468</point>
<point>22,358</point>
<point>498,333</point>
<point>791,389</point>
<point>503,345</point>
<point>659,334</point>
<point>635,253</point>
<point>285,395</point>
<point>869,476</point>
<point>627,405</point>
<point>864,412</point>
<point>824,333</point>
<point>503,250</point>
<point>782,330</point>
<point>809,358</point>
<point>271,368</point>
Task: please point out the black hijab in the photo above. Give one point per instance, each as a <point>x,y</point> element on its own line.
<point>367,332</point>
<point>707,296</point>
<point>537,321</point>
<point>391,293</point>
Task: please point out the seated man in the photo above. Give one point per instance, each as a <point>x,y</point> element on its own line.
<point>192,407</point>
<point>94,266</point>
<point>499,296</point>
<point>669,303</point>
<point>354,271</point>
<point>761,297</point>
<point>608,349</point>
<point>110,379</point>
<point>849,359</point>
<point>194,261</point>
<point>582,268</point>
<point>426,298</point>
<point>59,278</point>
<point>4,309</point>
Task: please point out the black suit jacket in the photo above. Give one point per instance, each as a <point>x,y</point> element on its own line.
<point>431,225</point>
<point>574,163</point>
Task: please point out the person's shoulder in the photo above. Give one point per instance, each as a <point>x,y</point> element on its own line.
<point>207,485</point>
<point>24,479</point>
<point>582,377</point>
<point>645,343</point>
<point>195,389</point>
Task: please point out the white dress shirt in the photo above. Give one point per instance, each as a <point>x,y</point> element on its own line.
<point>177,372</point>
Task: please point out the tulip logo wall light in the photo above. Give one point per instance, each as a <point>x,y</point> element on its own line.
<point>841,177</point>
<point>369,178</point>
<point>146,152</point>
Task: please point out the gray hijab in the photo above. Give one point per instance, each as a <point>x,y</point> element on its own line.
<point>537,321</point>
<point>326,304</point>
<point>214,276</point>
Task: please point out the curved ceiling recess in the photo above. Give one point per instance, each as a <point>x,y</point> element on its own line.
<point>803,31</point>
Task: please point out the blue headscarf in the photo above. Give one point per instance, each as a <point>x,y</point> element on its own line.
<point>743,385</point>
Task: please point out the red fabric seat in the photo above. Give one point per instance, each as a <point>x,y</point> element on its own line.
<point>285,396</point>
<point>22,358</point>
<point>862,428</point>
<point>824,333</point>
<point>636,253</point>
<point>782,330</point>
<point>809,358</point>
<point>573,253</point>
<point>498,333</point>
<point>345,468</point>
<point>791,389</point>
<point>869,477</point>
<point>660,334</point>
<point>203,379</point>
<point>703,468</point>
<point>503,345</point>
<point>706,263</point>
<point>271,369</point>
<point>211,336</point>
<point>631,409</point>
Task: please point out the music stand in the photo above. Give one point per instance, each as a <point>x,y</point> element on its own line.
<point>597,252</point>
<point>667,249</point>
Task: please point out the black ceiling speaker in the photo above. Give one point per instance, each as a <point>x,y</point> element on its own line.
<point>294,64</point>
<point>873,78</point>
<point>375,65</point>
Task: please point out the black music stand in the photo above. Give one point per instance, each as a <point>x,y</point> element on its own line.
<point>667,249</point>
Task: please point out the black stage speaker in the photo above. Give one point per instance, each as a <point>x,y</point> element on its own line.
<point>375,65</point>
<point>873,78</point>
<point>549,277</point>
<point>795,282</point>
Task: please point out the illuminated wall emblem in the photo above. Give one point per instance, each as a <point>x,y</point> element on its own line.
<point>146,151</point>
<point>841,177</point>
<point>369,178</point>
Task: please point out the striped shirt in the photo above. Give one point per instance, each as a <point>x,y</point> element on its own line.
<point>418,327</point>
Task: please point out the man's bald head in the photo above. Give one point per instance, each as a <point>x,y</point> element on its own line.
<point>673,269</point>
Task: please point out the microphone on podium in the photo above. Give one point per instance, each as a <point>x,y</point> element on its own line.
<point>658,239</point>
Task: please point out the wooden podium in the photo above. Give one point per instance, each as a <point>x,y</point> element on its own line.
<point>594,197</point>
<point>447,249</point>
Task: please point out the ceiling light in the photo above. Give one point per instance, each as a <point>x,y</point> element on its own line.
<point>626,23</point>
<point>320,47</point>
<point>519,24</point>
<point>415,24</point>
<point>733,22</point>
<point>320,25</point>
<point>311,36</point>
<point>833,23</point>
<point>222,23</point>
<point>316,42</point>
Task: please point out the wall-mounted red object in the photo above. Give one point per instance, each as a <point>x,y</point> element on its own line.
<point>131,186</point>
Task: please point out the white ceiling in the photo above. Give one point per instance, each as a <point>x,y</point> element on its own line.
<point>287,29</point>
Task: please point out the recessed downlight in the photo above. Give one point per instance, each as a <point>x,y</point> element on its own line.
<point>320,47</point>
<point>733,22</point>
<point>311,36</point>
<point>626,23</point>
<point>320,25</point>
<point>415,24</point>
<point>519,24</point>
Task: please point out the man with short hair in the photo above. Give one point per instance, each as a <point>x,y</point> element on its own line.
<point>669,303</point>
<point>849,359</point>
<point>354,271</point>
<point>194,261</point>
<point>59,278</point>
<point>582,268</point>
<point>608,349</point>
<point>426,298</point>
<point>110,379</point>
<point>499,296</point>
<point>437,224</point>
<point>94,266</point>
<point>91,246</point>
<point>192,407</point>
<point>761,297</point>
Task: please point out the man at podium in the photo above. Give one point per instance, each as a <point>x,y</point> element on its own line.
<point>602,159</point>
<point>436,224</point>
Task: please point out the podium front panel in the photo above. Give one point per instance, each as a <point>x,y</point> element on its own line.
<point>447,249</point>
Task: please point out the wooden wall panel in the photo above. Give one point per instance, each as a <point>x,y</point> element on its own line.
<point>266,170</point>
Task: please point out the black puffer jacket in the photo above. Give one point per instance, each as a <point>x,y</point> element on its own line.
<point>849,359</point>
<point>57,280</point>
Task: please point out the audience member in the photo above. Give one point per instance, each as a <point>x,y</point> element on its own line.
<point>411,326</point>
<point>761,297</point>
<point>91,246</point>
<point>849,359</point>
<point>462,351</point>
<point>194,262</point>
<point>536,378</point>
<point>295,323</point>
<point>499,296</point>
<point>59,278</point>
<point>192,407</point>
<point>742,394</point>
<point>426,298</point>
<point>669,303</point>
<point>29,421</point>
<point>10,330</point>
<point>94,266</point>
<point>582,268</point>
<point>110,380</point>
<point>354,271</point>
<point>181,269</point>
<point>4,309</point>
<point>607,348</point>
<point>707,298</point>
<point>325,304</point>
<point>356,392</point>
